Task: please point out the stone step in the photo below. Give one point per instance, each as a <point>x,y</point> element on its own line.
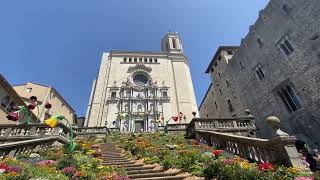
<point>164,178</point>
<point>144,171</point>
<point>116,160</point>
<point>112,155</point>
<point>148,175</point>
<point>117,163</point>
<point>127,165</point>
<point>128,169</point>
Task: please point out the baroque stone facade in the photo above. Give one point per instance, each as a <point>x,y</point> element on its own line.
<point>276,70</point>
<point>134,90</point>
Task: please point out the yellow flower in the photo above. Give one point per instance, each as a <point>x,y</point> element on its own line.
<point>100,167</point>
<point>293,170</point>
<point>245,165</point>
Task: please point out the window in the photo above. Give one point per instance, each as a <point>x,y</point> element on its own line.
<point>227,82</point>
<point>212,93</point>
<point>286,8</point>
<point>145,60</point>
<point>220,91</point>
<point>219,57</point>
<point>135,60</point>
<point>126,107</point>
<point>314,37</point>
<point>155,60</point>
<point>150,60</point>
<point>286,46</point>
<point>230,52</point>
<point>260,43</point>
<point>165,94</point>
<point>140,79</point>
<point>289,98</point>
<point>151,107</point>
<point>5,101</point>
<point>207,115</point>
<point>62,104</point>
<point>241,65</point>
<point>29,90</point>
<point>113,94</point>
<point>140,59</point>
<point>124,59</point>
<point>139,108</point>
<point>130,60</point>
<point>11,106</point>
<point>230,107</point>
<point>259,72</point>
<point>219,74</point>
<point>215,103</point>
<point>173,43</point>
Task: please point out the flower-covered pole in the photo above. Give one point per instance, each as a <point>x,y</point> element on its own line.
<point>53,122</point>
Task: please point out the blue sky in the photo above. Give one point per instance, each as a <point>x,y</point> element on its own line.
<point>60,42</point>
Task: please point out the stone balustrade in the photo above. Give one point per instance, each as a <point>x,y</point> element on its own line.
<point>91,130</point>
<point>280,149</point>
<point>176,127</point>
<point>242,125</point>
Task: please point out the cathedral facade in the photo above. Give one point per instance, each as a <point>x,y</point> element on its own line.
<point>136,91</point>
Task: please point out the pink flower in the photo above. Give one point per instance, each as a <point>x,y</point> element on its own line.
<point>46,163</point>
<point>228,161</point>
<point>69,170</point>
<point>304,178</point>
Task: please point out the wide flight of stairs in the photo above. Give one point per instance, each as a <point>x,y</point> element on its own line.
<point>113,157</point>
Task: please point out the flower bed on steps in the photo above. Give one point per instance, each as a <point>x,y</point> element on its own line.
<point>173,151</point>
<point>57,164</point>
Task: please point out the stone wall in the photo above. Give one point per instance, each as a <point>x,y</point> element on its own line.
<point>279,55</point>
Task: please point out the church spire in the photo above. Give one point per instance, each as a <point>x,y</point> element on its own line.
<point>171,43</point>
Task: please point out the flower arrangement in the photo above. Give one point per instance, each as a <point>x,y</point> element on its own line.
<point>199,159</point>
<point>55,163</point>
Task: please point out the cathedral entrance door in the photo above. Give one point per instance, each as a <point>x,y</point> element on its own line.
<point>139,126</point>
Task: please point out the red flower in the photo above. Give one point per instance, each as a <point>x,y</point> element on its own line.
<point>32,106</point>
<point>4,166</point>
<point>265,166</point>
<point>33,98</point>
<point>217,152</point>
<point>47,105</point>
<point>13,116</point>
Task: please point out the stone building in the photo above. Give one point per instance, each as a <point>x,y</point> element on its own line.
<point>135,89</point>
<point>221,98</point>
<point>277,68</point>
<point>9,98</point>
<point>45,95</point>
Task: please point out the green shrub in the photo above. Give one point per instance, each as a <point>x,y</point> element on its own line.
<point>65,161</point>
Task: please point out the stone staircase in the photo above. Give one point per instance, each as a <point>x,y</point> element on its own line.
<point>113,157</point>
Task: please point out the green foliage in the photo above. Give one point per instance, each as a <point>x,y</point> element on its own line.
<point>65,161</point>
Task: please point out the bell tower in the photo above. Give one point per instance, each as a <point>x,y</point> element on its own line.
<point>171,43</point>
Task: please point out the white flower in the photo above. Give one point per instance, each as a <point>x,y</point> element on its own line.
<point>2,171</point>
<point>34,155</point>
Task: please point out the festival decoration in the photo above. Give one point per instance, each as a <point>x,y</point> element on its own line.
<point>175,118</point>
<point>33,102</point>
<point>47,105</point>
<point>14,115</point>
<point>53,122</point>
